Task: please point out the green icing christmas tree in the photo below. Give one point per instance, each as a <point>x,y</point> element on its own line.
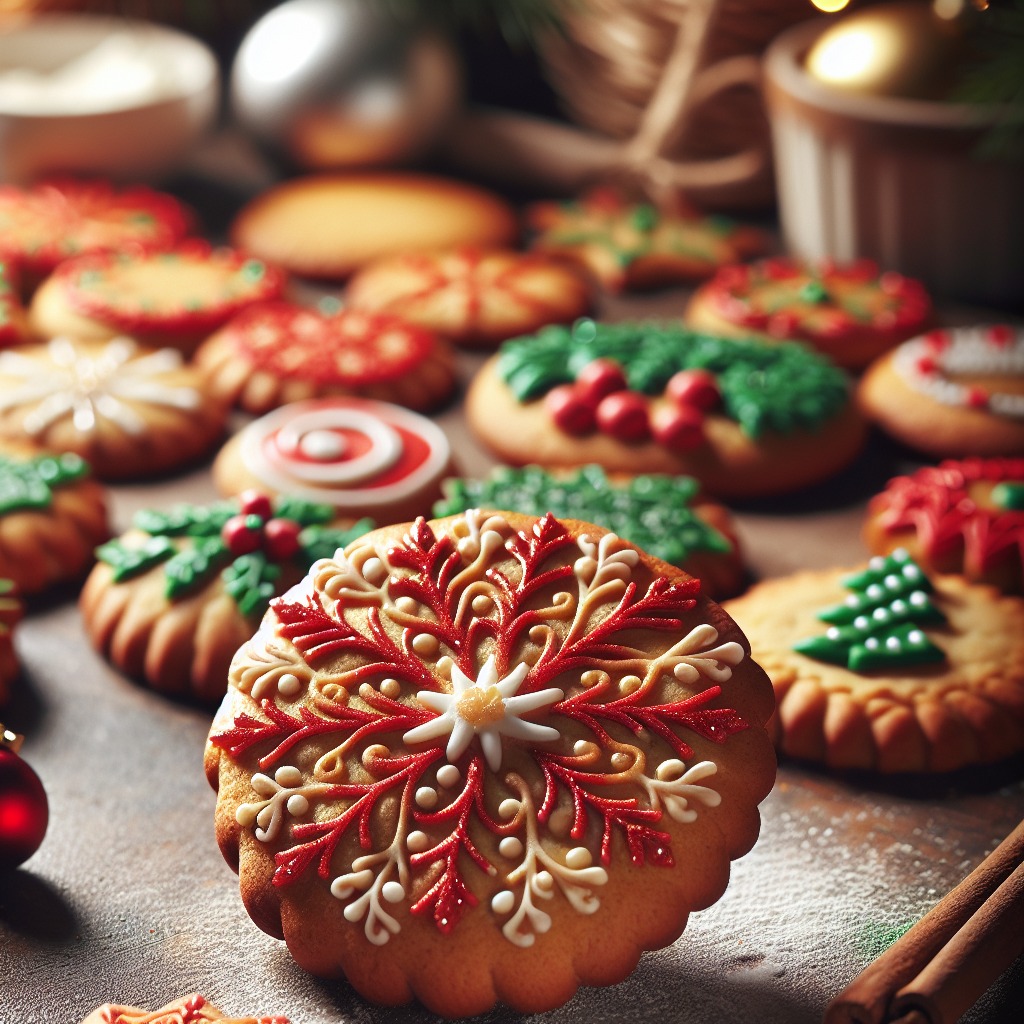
<point>879,623</point>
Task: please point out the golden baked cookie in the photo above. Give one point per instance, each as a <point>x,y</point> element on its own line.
<point>331,225</point>
<point>171,600</point>
<point>886,671</point>
<point>475,297</point>
<point>852,313</point>
<point>276,352</point>
<point>11,611</point>
<point>965,517</point>
<point>128,411</point>
<point>744,418</point>
<point>363,457</point>
<point>954,392</point>
<point>523,752</point>
<point>175,298</point>
<point>51,517</point>
<point>13,319</point>
<point>633,246</point>
<point>192,1009</point>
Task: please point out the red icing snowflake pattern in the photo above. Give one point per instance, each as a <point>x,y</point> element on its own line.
<point>470,637</point>
<point>189,1010</point>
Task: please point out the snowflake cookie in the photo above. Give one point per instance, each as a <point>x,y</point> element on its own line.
<point>522,752</point>
<point>193,1009</point>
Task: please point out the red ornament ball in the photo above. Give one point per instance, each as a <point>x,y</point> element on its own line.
<point>695,388</point>
<point>600,378</point>
<point>254,503</point>
<point>679,430</point>
<point>281,539</point>
<point>623,415</point>
<point>572,413</point>
<point>243,534</point>
<point>24,811</point>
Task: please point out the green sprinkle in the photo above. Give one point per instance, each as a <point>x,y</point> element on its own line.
<point>644,217</point>
<point>253,270</point>
<point>813,292</point>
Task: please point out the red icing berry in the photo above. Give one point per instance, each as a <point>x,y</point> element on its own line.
<point>572,413</point>
<point>937,340</point>
<point>600,378</point>
<point>253,503</point>
<point>679,430</point>
<point>927,366</point>
<point>696,388</point>
<point>243,534</point>
<point>623,416</point>
<point>1001,335</point>
<point>977,398</point>
<point>281,539</point>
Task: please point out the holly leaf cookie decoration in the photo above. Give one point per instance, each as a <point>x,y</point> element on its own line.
<point>29,483</point>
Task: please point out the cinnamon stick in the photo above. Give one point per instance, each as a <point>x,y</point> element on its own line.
<point>965,967</point>
<point>866,999</point>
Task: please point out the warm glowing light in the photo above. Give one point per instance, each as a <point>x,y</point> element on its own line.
<point>279,46</point>
<point>948,9</point>
<point>830,6</point>
<point>843,58</point>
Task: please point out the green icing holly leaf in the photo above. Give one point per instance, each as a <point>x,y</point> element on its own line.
<point>305,513</point>
<point>316,542</point>
<point>250,581</point>
<point>653,511</point>
<point>130,561</point>
<point>193,565</point>
<point>29,483</point>
<point>187,520</point>
<point>878,625</point>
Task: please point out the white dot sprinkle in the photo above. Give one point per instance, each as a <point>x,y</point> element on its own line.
<point>289,684</point>
<point>852,601</point>
<point>508,808</point>
<point>393,892</point>
<point>630,684</point>
<point>323,445</point>
<point>448,775</point>
<point>391,688</point>
<point>373,570</point>
<point>503,901</point>
<point>893,643</point>
<point>426,797</point>
<point>288,776</point>
<point>510,847</point>
<point>871,643</point>
<point>892,581</point>
<point>877,563</point>
<point>425,644</point>
<point>544,880</point>
<point>832,633</point>
<point>915,636</point>
<point>297,804</point>
<point>881,614</point>
<point>578,857</point>
<point>898,606</point>
<point>417,841</point>
<point>407,604</point>
<point>862,622</point>
<point>874,592</point>
<point>918,598</point>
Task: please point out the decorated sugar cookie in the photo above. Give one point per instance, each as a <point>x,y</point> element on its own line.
<point>54,220</point>
<point>192,1009</point>
<point>175,298</point>
<point>51,517</point>
<point>742,417</point>
<point>523,752</point>
<point>129,411</point>
<point>662,515</point>
<point>475,297</point>
<point>952,392</point>
<point>956,517</point>
<point>276,352</point>
<point>627,246</point>
<point>853,313</point>
<point>172,599</point>
<point>11,611</point>
<point>888,670</point>
<point>13,321</point>
<point>365,458</point>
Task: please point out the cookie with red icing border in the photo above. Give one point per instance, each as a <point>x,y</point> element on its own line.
<point>193,1009</point>
<point>852,313</point>
<point>174,298</point>
<point>364,457</point>
<point>956,517</point>
<point>54,220</point>
<point>953,392</point>
<point>525,753</point>
<point>274,353</point>
<point>475,297</point>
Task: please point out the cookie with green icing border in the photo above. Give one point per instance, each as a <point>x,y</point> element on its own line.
<point>169,600</point>
<point>765,418</point>
<point>663,515</point>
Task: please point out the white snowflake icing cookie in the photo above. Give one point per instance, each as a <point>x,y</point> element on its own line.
<point>522,751</point>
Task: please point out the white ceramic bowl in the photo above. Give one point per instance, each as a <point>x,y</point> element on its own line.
<point>131,133</point>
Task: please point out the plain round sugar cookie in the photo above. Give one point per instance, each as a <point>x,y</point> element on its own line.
<point>12,608</point>
<point>960,516</point>
<point>330,225</point>
<point>193,1009</point>
<point>173,298</point>
<point>954,392</point>
<point>128,411</point>
<point>475,297</point>
<point>852,313</point>
<point>523,753</point>
<point>276,352</point>
<point>887,671</point>
<point>170,601</point>
<point>744,418</point>
<point>365,458</point>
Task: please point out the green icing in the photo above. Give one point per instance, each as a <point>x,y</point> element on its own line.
<point>814,292</point>
<point>782,387</point>
<point>192,565</point>
<point>1009,496</point>
<point>130,561</point>
<point>307,513</point>
<point>878,625</point>
<point>250,581</point>
<point>652,511</point>
<point>187,520</point>
<point>321,542</point>
<point>29,483</point>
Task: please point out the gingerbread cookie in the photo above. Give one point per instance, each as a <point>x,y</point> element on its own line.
<point>128,410</point>
<point>192,1009</point>
<point>743,417</point>
<point>11,611</point>
<point>366,458</point>
<point>173,298</point>
<point>663,515</point>
<point>275,353</point>
<point>51,517</point>
<point>955,392</point>
<point>958,517</point>
<point>852,313</point>
<point>523,753</point>
<point>633,246</point>
<point>54,220</point>
<point>475,297</point>
<point>886,670</point>
<point>13,321</point>
<point>171,600</point>
<point>330,225</point>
